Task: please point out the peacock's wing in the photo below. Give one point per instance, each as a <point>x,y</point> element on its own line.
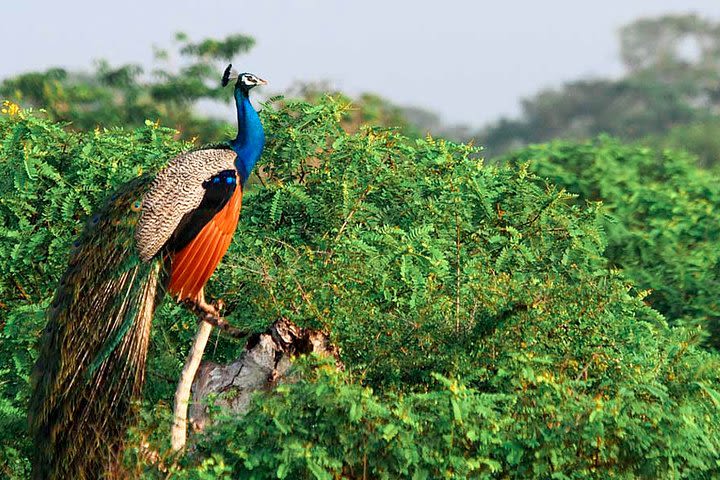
<point>203,236</point>
<point>184,197</point>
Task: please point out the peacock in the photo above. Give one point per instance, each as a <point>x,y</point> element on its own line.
<point>156,234</point>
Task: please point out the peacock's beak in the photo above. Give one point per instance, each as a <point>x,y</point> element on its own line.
<point>262,82</point>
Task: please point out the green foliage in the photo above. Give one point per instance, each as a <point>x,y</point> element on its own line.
<point>484,333</point>
<point>420,261</point>
<point>127,95</point>
<point>424,435</point>
<point>660,219</point>
<point>544,426</point>
<point>700,139</point>
<point>369,109</point>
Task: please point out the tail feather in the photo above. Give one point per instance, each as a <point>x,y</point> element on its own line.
<point>92,355</point>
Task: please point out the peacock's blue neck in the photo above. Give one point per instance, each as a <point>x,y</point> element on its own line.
<point>248,144</point>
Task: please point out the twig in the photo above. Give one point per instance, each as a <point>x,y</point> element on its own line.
<point>352,212</point>
<point>223,325</point>
<point>457,274</point>
<point>583,372</point>
<point>538,213</point>
<point>21,289</point>
<point>258,174</point>
<point>458,267</point>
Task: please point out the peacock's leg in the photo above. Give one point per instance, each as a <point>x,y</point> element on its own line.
<point>210,313</point>
<point>205,307</point>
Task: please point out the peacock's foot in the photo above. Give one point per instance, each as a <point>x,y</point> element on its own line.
<point>210,313</point>
<point>212,309</point>
<point>200,305</point>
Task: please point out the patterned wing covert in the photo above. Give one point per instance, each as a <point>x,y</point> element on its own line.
<point>177,190</point>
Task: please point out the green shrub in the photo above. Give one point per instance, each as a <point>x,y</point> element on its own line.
<point>482,331</point>
<point>547,425</point>
<point>699,138</point>
<point>661,219</point>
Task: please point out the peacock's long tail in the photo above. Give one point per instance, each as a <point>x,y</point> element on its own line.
<point>92,354</point>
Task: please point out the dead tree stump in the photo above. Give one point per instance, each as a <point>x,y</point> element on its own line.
<point>265,361</point>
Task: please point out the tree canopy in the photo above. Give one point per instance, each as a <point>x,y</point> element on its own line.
<point>128,95</point>
<point>671,84</point>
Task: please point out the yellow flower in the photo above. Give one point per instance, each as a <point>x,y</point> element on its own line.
<point>10,108</point>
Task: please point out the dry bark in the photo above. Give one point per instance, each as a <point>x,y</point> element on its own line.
<point>264,362</point>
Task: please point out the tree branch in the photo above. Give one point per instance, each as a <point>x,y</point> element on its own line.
<point>222,324</point>
<point>178,435</point>
<point>265,360</point>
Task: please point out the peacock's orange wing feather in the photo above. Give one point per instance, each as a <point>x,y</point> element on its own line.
<point>193,266</point>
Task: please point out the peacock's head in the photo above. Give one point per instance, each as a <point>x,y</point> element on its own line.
<point>245,81</point>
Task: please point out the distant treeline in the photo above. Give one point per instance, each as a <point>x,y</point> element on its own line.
<point>669,95</point>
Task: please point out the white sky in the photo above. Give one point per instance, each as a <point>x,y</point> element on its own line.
<point>470,61</point>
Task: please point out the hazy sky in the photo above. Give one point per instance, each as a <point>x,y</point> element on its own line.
<point>471,61</point>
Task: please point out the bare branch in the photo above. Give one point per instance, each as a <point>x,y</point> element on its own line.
<point>209,319</point>
<point>178,435</point>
